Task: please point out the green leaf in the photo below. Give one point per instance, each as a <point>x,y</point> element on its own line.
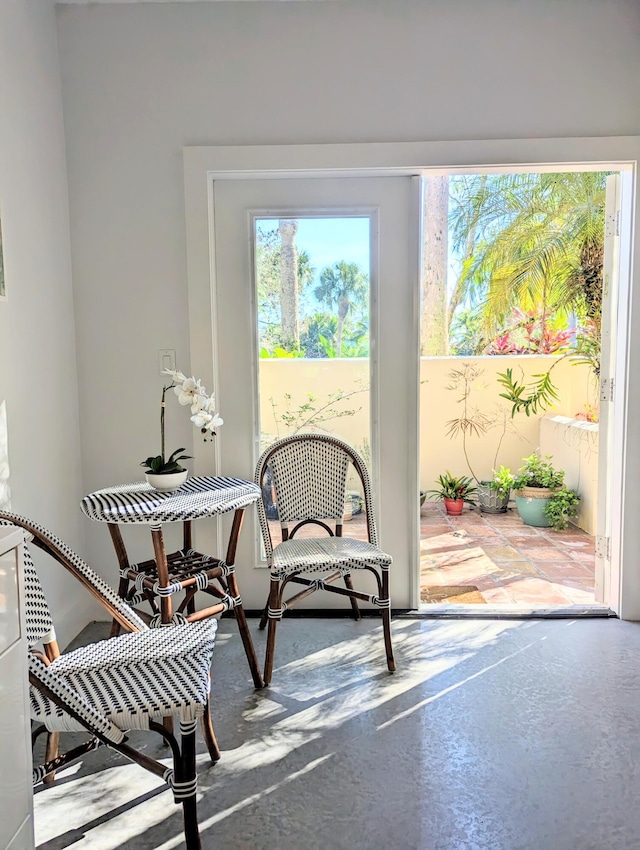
<point>147,462</point>
<point>174,456</point>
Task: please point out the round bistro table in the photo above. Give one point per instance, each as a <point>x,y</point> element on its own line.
<point>159,578</point>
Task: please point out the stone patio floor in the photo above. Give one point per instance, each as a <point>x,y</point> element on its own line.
<point>509,562</point>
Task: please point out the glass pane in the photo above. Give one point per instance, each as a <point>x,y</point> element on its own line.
<point>313,294</point>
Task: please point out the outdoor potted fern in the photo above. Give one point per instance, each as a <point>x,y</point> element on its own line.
<point>454,492</point>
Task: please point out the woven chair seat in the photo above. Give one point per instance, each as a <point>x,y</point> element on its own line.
<point>314,554</point>
<point>136,677</point>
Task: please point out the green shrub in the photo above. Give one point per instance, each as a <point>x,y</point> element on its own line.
<point>538,472</point>
<point>562,505</point>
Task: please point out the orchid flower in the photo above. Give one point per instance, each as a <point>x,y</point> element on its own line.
<point>189,391</point>
<point>176,377</point>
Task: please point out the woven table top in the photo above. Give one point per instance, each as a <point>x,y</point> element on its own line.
<point>200,496</point>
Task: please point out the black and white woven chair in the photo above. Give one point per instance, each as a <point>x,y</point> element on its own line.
<point>308,474</point>
<point>137,680</point>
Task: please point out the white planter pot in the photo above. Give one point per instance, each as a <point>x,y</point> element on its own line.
<point>168,482</point>
<point>490,501</point>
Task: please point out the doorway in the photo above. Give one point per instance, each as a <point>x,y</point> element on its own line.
<point>204,169</point>
<point>516,330</point>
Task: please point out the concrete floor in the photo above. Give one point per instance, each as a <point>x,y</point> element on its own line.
<point>500,735</point>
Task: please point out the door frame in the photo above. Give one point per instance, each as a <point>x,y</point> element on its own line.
<point>204,165</point>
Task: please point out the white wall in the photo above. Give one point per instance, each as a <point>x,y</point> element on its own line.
<point>37,340</point>
<point>141,81</point>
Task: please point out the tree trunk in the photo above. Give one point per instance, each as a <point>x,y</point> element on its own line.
<point>434,329</point>
<point>289,284</point>
<point>591,272</point>
<point>343,309</point>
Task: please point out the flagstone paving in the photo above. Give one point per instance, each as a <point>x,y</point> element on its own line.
<point>509,562</point>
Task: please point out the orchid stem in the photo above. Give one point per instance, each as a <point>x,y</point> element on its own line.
<point>162,406</point>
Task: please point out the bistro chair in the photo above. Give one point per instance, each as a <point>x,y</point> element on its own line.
<point>307,475</point>
<point>138,680</point>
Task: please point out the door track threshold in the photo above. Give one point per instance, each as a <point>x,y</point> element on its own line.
<point>506,612</point>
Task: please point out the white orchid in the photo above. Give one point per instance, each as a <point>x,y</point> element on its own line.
<point>203,408</point>
<point>189,391</point>
<point>201,419</point>
<point>206,421</point>
<point>209,404</point>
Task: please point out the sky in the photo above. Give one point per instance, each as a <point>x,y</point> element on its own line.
<point>329,240</point>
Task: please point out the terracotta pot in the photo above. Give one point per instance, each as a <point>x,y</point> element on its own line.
<point>453,506</point>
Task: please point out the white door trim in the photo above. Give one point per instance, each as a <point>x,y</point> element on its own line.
<point>203,165</point>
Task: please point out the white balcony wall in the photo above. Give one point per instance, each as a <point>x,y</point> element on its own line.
<point>574,443</point>
<point>314,381</point>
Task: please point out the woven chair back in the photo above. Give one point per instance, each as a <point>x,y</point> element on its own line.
<point>310,480</point>
<point>37,614</point>
<point>39,622</point>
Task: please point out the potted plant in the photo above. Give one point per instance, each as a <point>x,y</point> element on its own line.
<point>493,495</point>
<point>454,492</point>
<point>166,473</point>
<point>536,482</point>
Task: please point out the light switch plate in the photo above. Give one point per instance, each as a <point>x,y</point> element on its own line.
<point>167,358</point>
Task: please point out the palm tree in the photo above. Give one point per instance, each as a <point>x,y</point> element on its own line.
<point>341,285</point>
<point>541,254</point>
<point>539,244</point>
<point>289,326</point>
<point>434,322</point>
<point>272,314</point>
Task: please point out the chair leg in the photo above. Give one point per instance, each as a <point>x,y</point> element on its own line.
<point>50,753</point>
<point>386,623</point>
<point>210,735</point>
<point>264,617</point>
<point>245,634</point>
<point>191,830</point>
<point>274,605</point>
<point>354,602</point>
<point>185,772</point>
